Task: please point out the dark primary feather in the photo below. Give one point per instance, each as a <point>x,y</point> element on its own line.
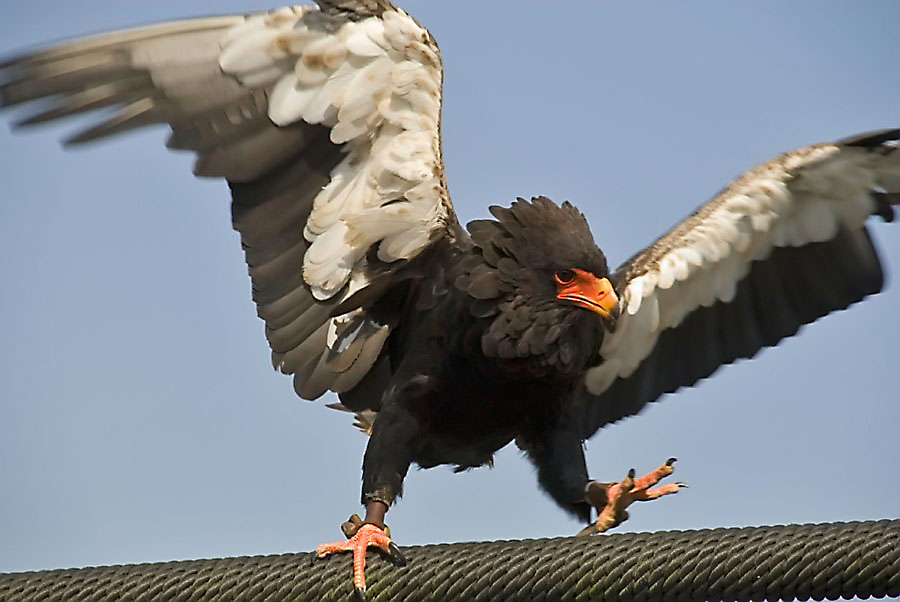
<point>270,213</point>
<point>791,287</point>
<point>714,336</point>
<point>171,73</point>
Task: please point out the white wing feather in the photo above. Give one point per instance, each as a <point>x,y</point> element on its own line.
<point>242,92</point>
<point>795,199</point>
<point>376,83</point>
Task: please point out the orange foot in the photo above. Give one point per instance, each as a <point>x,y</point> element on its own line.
<point>611,499</point>
<point>360,536</point>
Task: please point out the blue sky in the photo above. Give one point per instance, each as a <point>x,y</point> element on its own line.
<point>140,419</point>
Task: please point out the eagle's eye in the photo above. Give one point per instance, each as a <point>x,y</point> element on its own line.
<point>564,276</point>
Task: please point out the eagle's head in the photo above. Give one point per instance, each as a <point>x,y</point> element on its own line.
<point>542,284</point>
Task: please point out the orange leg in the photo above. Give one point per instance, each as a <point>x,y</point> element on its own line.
<point>611,499</point>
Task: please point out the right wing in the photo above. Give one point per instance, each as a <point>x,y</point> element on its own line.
<point>783,245</point>
<point>323,119</point>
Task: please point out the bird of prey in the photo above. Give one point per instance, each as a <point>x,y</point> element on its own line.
<point>448,343</point>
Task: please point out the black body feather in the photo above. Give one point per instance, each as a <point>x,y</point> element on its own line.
<point>483,353</point>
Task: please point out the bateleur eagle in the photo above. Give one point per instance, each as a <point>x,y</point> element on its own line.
<point>447,342</point>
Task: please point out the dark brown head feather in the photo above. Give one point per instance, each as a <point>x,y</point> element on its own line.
<point>539,234</point>
<point>510,279</point>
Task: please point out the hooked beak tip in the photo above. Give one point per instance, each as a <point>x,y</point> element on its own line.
<point>616,311</point>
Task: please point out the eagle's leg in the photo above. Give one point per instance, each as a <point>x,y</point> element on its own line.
<point>611,499</point>
<point>388,456</point>
<point>554,445</point>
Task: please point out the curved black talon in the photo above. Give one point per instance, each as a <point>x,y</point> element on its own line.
<point>396,556</point>
<point>591,529</point>
<point>359,595</point>
<point>671,461</point>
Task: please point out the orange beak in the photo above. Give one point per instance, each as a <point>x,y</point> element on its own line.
<point>590,292</point>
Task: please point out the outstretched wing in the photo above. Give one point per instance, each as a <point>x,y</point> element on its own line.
<point>781,246</point>
<point>323,119</point>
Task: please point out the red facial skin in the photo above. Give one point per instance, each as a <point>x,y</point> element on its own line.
<point>586,290</point>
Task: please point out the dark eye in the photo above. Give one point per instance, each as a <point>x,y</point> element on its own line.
<point>564,276</point>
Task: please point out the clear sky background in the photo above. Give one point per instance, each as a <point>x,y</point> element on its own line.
<point>140,419</point>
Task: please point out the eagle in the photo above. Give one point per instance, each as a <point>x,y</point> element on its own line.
<point>450,342</point>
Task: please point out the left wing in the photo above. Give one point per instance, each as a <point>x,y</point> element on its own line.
<point>324,119</point>
<point>783,245</point>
